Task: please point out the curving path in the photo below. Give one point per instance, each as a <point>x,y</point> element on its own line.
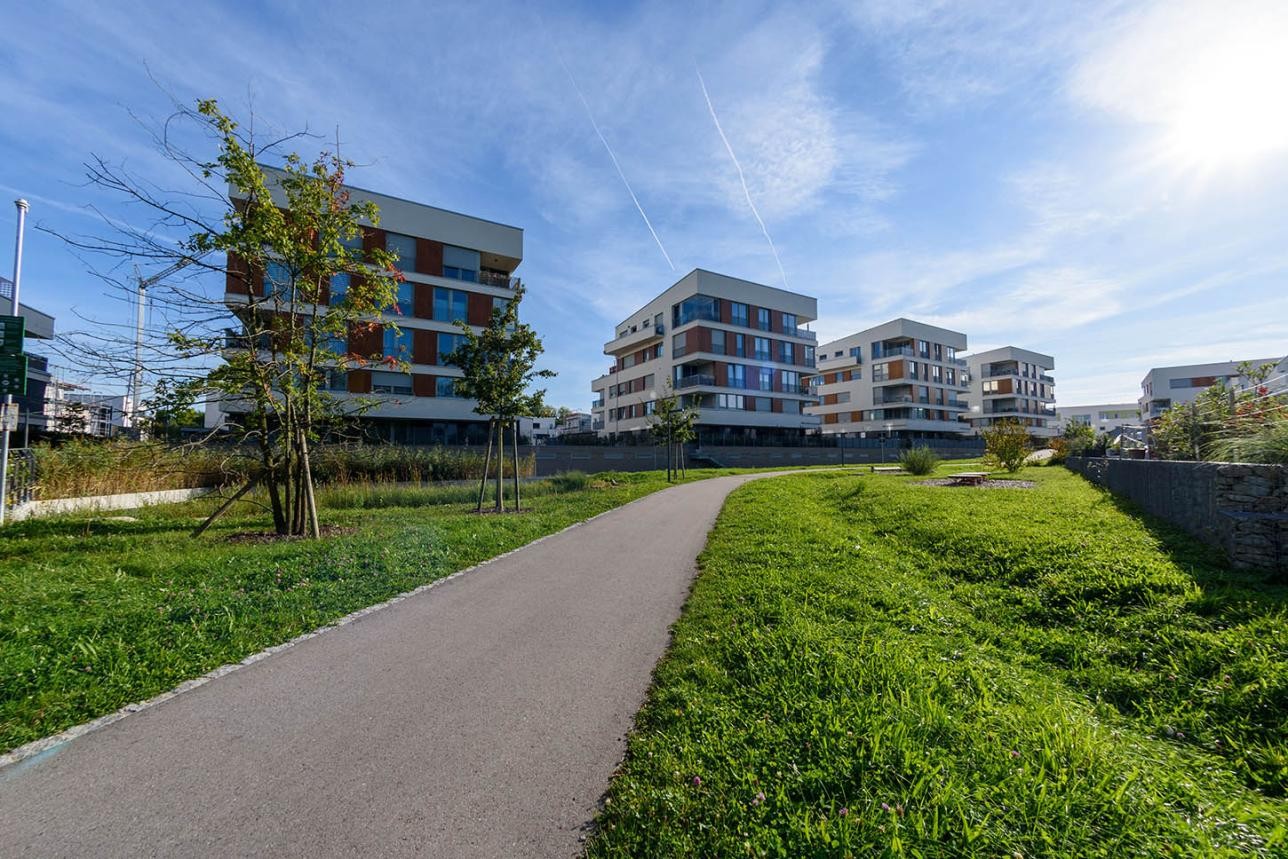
<point>482,717</point>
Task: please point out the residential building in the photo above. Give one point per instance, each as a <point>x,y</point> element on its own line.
<point>1164,387</point>
<point>457,269</point>
<point>575,423</point>
<point>734,350</point>
<point>73,409</point>
<point>31,406</point>
<point>1104,418</point>
<point>1011,383</point>
<point>536,430</point>
<point>902,379</point>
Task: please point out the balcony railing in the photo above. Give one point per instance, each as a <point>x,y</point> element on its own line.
<point>505,281</point>
<point>1047,379</point>
<point>37,363</point>
<point>695,380</point>
<point>802,333</point>
<point>597,425</point>
<point>895,352</point>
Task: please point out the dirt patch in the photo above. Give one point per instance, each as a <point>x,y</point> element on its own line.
<point>266,537</point>
<point>987,484</point>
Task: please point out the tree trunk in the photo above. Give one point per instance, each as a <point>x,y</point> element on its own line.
<point>500,465</point>
<point>201,529</point>
<point>487,464</point>
<point>515,438</point>
<point>669,451</point>
<point>306,471</point>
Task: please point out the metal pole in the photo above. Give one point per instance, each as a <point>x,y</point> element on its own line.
<point>13,304</point>
<point>136,376</point>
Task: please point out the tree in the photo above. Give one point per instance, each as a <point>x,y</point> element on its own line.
<point>280,240</point>
<point>1078,438</point>
<point>1212,424</point>
<point>498,364</point>
<point>1006,444</point>
<point>672,425</point>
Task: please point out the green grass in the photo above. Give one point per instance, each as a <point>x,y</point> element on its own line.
<point>96,613</point>
<point>871,667</point>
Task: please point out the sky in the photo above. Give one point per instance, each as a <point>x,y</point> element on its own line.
<point>1103,182</point>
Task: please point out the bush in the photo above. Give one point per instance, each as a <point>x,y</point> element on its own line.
<point>919,460</point>
<point>1006,445</point>
<point>570,481</point>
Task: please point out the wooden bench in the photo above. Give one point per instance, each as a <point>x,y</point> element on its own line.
<point>887,469</point>
<point>968,478</point>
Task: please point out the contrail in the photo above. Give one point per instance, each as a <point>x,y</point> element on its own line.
<point>741,177</point>
<point>595,125</point>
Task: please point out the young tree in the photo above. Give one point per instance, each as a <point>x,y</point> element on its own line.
<point>268,338</point>
<point>1006,444</point>
<point>498,364</point>
<point>1078,438</point>
<point>672,425</point>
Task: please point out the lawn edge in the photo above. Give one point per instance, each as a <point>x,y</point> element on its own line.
<point>45,744</point>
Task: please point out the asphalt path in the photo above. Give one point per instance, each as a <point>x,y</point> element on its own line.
<point>481,717</point>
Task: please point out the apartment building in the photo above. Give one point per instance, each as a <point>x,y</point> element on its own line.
<point>74,409</point>
<point>575,423</point>
<point>31,405</point>
<point>1104,418</point>
<point>1164,387</point>
<point>457,268</point>
<point>902,379</point>
<point>1011,383</point>
<point>734,350</point>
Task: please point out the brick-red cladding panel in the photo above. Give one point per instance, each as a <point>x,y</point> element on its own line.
<point>359,381</point>
<point>373,239</point>
<point>366,339</point>
<point>777,405</point>
<point>422,301</point>
<point>429,257</point>
<point>422,385</point>
<point>479,309</point>
<point>726,311</point>
<point>424,348</point>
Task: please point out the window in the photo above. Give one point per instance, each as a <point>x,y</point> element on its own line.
<point>695,307</point>
<point>809,356</point>
<point>788,353</point>
<point>629,361</point>
<point>912,370</point>
<point>336,380</point>
<point>398,343</point>
<point>856,352</point>
<point>649,407</point>
<point>843,397</point>
<point>760,349</point>
<point>354,244</point>
<point>880,372</point>
<point>403,247</point>
<point>336,344</point>
<point>450,305</point>
<point>718,342</point>
<point>936,373</point>
<point>738,314</point>
<point>762,404</point>
<point>657,350</point>
<point>403,302</point>
<point>765,379</point>
<point>762,318</point>
<point>447,344</point>
<point>339,287</point>
<point>923,348</point>
<point>279,281</point>
<point>950,376</point>
<point>390,383</point>
<point>678,344</point>
<point>791,407</point>
<point>939,352</point>
<point>789,324</point>
<point>460,263</point>
<point>445,386</point>
<point>791,381</point>
<point>729,401</point>
<point>739,346</point>
<point>737,376</point>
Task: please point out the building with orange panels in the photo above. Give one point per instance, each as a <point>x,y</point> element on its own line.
<point>1011,383</point>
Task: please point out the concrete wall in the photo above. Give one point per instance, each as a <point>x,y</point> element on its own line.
<point>551,459</point>
<point>1241,509</point>
<point>102,503</point>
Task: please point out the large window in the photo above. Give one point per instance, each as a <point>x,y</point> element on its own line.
<point>278,281</point>
<point>762,319</point>
<point>339,287</point>
<point>856,352</point>
<point>447,344</point>
<point>405,297</point>
<point>445,386</point>
<point>355,246</point>
<point>739,346</point>
<point>765,379</point>
<point>791,407</point>
<point>403,247</point>
<point>679,344</point>
<point>450,305</point>
<point>729,401</point>
<point>383,382</point>
<point>460,263</point>
<point>337,380</point>
<point>787,352</point>
<point>739,314</point>
<point>760,349</point>
<point>789,323</point>
<point>809,356</point>
<point>737,376</point>
<point>398,343</point>
<point>695,307</point>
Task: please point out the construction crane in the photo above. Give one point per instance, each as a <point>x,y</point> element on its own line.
<point>136,373</point>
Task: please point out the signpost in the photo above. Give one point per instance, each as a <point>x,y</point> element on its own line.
<point>13,364</point>
<point>13,375</point>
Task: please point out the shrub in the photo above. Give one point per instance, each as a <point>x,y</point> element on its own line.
<point>1006,445</point>
<point>919,460</point>
<point>570,481</point>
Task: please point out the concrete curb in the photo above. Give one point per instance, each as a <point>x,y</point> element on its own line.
<point>126,501</point>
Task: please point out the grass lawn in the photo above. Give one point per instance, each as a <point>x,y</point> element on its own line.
<point>871,667</point>
<point>96,613</point>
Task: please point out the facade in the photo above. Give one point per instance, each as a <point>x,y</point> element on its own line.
<point>536,430</point>
<point>575,423</point>
<point>734,350</point>
<point>902,379</point>
<point>1104,418</point>
<point>31,406</point>
<point>457,268</point>
<point>1011,383</point>
<point>1164,387</point>
<point>74,409</point>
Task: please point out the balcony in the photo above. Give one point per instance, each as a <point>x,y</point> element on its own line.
<point>694,381</point>
<point>37,363</point>
<point>896,398</point>
<point>1047,379</point>
<point>634,339</point>
<point>597,425</point>
<point>803,334</point>
<point>505,281</point>
<point>896,352</point>
<point>597,404</point>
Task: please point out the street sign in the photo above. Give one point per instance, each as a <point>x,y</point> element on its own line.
<point>9,417</point>
<point>12,329</point>
<point>13,375</point>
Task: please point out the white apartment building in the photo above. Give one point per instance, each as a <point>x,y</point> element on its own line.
<point>575,423</point>
<point>734,350</point>
<point>1164,387</point>
<point>1011,383</point>
<point>1101,417</point>
<point>537,430</point>
<point>902,379</point>
<point>457,268</point>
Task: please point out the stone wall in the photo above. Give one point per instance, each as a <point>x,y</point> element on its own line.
<point>1241,509</point>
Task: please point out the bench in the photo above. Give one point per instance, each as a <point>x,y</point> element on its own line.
<point>968,478</point>
<point>886,469</point>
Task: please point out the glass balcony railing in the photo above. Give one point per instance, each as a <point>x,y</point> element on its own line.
<point>695,380</point>
<point>896,352</point>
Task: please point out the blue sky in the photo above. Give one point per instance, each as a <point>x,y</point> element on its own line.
<point>1104,182</point>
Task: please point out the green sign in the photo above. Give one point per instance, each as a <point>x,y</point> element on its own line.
<point>13,375</point>
<point>12,329</point>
